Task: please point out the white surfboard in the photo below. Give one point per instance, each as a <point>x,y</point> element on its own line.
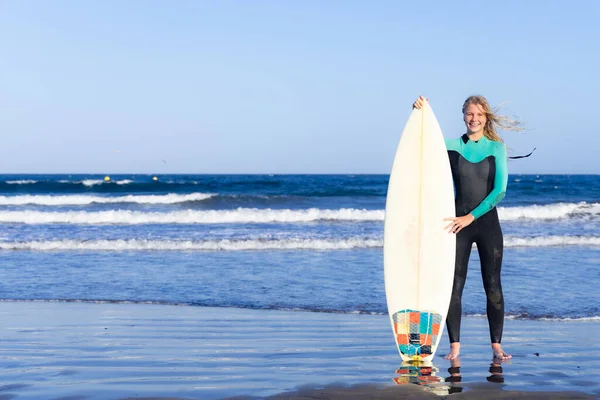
<point>418,252</point>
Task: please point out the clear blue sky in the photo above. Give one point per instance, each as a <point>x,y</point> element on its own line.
<point>286,86</point>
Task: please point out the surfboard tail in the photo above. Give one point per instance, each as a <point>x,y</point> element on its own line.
<point>417,333</point>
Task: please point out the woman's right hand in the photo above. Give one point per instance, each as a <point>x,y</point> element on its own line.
<point>420,102</point>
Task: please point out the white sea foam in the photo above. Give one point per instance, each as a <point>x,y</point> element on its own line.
<point>548,241</point>
<point>571,319</point>
<point>123,182</point>
<point>550,211</point>
<point>92,182</point>
<point>240,215</point>
<point>529,317</point>
<point>89,301</point>
<point>593,318</point>
<point>258,244</point>
<point>177,245</point>
<point>47,200</point>
<point>22,182</point>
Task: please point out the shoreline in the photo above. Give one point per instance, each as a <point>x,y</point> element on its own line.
<point>296,310</point>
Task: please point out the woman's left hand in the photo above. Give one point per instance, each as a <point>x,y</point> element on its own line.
<point>459,223</point>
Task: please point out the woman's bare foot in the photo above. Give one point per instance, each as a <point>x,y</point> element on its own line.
<point>454,351</point>
<point>499,354</point>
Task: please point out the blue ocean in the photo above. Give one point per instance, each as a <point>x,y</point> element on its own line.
<point>306,243</point>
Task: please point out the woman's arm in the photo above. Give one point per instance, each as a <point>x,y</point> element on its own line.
<point>500,183</point>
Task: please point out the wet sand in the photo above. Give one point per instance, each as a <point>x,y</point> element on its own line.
<point>55,350</point>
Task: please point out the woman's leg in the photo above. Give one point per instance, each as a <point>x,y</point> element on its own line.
<point>463,252</point>
<point>490,246</point>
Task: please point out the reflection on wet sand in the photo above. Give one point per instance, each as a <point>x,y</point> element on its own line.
<point>422,374</point>
<point>425,374</point>
<point>496,373</point>
<point>455,377</point>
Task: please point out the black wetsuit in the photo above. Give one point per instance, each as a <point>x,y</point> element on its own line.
<point>480,178</point>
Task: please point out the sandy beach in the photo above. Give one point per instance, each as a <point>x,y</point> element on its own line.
<point>58,350</point>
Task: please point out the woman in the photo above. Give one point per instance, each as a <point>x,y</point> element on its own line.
<point>478,162</point>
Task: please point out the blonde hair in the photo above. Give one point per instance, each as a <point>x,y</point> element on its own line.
<point>493,119</point>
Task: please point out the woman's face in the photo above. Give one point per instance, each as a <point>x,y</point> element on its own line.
<point>474,118</point>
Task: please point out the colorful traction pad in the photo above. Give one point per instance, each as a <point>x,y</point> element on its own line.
<point>416,331</point>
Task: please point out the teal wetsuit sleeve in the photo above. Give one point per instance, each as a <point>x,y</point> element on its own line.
<point>500,183</point>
